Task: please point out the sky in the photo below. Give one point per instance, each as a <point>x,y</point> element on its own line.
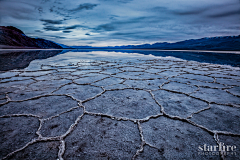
<point>121,22</point>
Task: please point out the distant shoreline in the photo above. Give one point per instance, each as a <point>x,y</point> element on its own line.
<point>235,52</point>
<point>208,51</point>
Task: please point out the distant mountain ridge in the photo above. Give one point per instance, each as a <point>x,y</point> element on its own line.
<point>12,38</point>
<point>227,43</point>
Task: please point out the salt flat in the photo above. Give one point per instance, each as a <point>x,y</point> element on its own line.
<point>118,106</point>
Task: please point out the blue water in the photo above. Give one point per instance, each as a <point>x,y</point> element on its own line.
<point>20,59</point>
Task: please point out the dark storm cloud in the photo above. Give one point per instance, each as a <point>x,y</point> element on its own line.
<point>52,28</point>
<point>125,1</point>
<point>67,31</point>
<point>133,20</point>
<point>120,1</point>
<point>48,21</point>
<point>67,14</point>
<point>74,27</point>
<point>85,6</point>
<point>190,12</point>
<point>226,14</point>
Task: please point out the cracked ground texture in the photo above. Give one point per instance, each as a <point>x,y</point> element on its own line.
<point>141,109</point>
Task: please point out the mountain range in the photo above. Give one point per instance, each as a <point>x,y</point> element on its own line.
<point>11,38</point>
<point>226,43</point>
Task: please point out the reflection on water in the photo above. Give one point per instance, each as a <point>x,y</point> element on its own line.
<point>205,57</point>
<point>20,59</point>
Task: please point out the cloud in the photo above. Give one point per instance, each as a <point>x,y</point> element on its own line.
<point>19,10</point>
<point>211,11</point>
<point>190,12</point>
<point>48,21</point>
<point>120,24</point>
<point>52,28</point>
<point>39,31</point>
<point>158,9</point>
<point>73,27</point>
<point>58,37</point>
<point>105,27</point>
<point>44,1</point>
<point>85,6</point>
<point>113,17</point>
<point>225,14</point>
<point>118,1</point>
<point>125,1</point>
<point>67,31</point>
<point>39,9</point>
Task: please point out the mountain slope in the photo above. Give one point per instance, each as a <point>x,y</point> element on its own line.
<point>11,37</point>
<point>227,43</point>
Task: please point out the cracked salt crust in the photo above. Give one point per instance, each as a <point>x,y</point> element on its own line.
<point>126,110</point>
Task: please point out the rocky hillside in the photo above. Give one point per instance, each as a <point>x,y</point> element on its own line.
<point>11,37</point>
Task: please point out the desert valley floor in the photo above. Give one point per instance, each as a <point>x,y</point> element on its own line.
<point>135,108</point>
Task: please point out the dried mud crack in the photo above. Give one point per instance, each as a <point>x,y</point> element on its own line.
<point>146,109</point>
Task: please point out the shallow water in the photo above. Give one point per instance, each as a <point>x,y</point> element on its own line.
<point>20,59</point>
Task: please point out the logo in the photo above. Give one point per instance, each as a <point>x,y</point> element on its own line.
<point>220,149</point>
